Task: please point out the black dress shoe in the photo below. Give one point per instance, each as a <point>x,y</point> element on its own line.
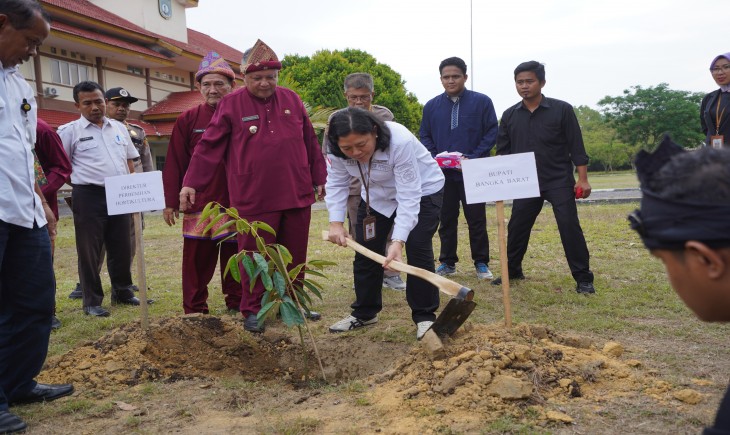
<point>55,324</point>
<point>76,293</point>
<point>11,423</point>
<point>585,288</point>
<point>251,324</point>
<point>134,288</point>
<point>134,300</point>
<point>498,281</point>
<point>96,311</point>
<point>45,393</point>
<point>312,315</point>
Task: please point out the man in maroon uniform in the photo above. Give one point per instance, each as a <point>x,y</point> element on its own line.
<point>273,162</point>
<point>215,79</point>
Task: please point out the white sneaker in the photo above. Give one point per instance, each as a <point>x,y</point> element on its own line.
<point>483,271</point>
<point>422,328</point>
<point>394,282</point>
<point>349,323</point>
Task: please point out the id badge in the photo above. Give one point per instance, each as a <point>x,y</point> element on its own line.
<point>717,142</point>
<point>368,227</point>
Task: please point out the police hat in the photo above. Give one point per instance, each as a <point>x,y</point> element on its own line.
<point>120,94</point>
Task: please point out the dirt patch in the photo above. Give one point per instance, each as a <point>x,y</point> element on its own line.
<point>526,377</point>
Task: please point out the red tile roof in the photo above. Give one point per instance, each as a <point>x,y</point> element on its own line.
<point>106,39</point>
<point>57,118</point>
<point>175,103</point>
<point>198,43</point>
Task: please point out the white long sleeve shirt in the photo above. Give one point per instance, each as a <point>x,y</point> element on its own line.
<point>97,152</point>
<point>19,204</point>
<point>400,176</point>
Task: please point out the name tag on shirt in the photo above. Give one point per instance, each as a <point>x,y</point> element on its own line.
<point>84,139</point>
<point>199,130</point>
<point>250,118</point>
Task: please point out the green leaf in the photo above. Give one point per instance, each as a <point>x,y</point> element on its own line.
<point>232,267</point>
<point>242,226</point>
<point>268,311</point>
<point>316,273</point>
<point>279,282</point>
<point>208,210</point>
<point>213,222</point>
<point>261,262</point>
<point>313,287</point>
<point>248,265</point>
<point>319,264</point>
<point>263,226</point>
<point>232,212</point>
<point>260,245</point>
<point>290,315</point>
<point>303,296</point>
<point>266,280</point>
<point>275,258</point>
<point>294,272</point>
<point>223,227</point>
<point>265,298</point>
<point>285,254</point>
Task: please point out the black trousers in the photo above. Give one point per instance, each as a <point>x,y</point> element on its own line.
<point>476,219</point>
<point>524,214</point>
<point>96,230</point>
<point>27,289</point>
<point>422,296</point>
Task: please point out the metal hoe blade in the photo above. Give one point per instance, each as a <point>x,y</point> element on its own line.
<point>453,316</point>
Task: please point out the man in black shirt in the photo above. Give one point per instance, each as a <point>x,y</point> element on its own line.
<point>549,128</point>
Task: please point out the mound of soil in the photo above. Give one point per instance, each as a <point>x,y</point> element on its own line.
<point>487,373</point>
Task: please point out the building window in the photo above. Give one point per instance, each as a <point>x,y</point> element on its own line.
<point>160,162</point>
<point>67,73</point>
<point>135,70</point>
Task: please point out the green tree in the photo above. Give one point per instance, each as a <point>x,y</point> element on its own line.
<point>641,116</point>
<point>602,143</point>
<point>320,79</point>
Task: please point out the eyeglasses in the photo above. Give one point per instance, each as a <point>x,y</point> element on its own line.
<point>361,98</point>
<point>722,68</point>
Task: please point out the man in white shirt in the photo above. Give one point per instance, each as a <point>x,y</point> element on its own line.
<point>99,147</point>
<point>27,286</point>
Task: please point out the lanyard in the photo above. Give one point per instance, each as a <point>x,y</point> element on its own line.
<point>718,114</point>
<point>366,183</point>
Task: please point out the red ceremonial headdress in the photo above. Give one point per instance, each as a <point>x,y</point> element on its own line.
<point>213,63</point>
<point>258,58</point>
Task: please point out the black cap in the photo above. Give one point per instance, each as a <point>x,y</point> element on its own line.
<point>120,94</point>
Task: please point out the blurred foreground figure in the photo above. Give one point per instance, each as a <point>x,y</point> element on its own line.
<point>684,222</point>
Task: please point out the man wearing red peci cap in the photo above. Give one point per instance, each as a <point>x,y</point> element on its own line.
<point>214,79</point>
<point>273,162</point>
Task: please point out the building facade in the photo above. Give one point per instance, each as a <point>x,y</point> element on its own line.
<point>144,46</point>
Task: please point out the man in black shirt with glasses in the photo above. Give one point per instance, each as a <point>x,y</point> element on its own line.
<point>549,128</point>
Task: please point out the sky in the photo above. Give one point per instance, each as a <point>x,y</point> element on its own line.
<point>590,49</point>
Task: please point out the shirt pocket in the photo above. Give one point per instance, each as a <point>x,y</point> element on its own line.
<point>87,145</point>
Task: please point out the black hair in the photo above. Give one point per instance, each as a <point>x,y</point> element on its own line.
<point>534,66</point>
<point>21,13</point>
<point>358,121</point>
<point>453,61</point>
<point>86,86</point>
<point>701,176</point>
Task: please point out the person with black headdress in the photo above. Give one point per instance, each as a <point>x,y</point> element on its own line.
<point>683,221</point>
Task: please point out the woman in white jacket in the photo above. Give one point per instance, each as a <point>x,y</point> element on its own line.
<point>402,189</point>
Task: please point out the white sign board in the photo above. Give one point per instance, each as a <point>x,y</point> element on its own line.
<point>134,193</point>
<point>499,178</point>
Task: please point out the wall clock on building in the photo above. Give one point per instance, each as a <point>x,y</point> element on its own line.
<point>165,9</point>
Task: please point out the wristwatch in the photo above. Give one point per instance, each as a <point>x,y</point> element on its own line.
<point>402,242</point>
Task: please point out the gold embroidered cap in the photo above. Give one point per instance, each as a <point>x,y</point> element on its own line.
<point>258,58</point>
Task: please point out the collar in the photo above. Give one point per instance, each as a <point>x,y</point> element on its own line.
<point>543,103</point>
<point>458,97</point>
<point>85,122</point>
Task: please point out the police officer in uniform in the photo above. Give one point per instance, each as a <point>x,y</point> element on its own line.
<point>118,101</point>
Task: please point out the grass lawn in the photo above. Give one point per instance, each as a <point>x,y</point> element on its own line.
<point>634,304</point>
<point>613,180</point>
